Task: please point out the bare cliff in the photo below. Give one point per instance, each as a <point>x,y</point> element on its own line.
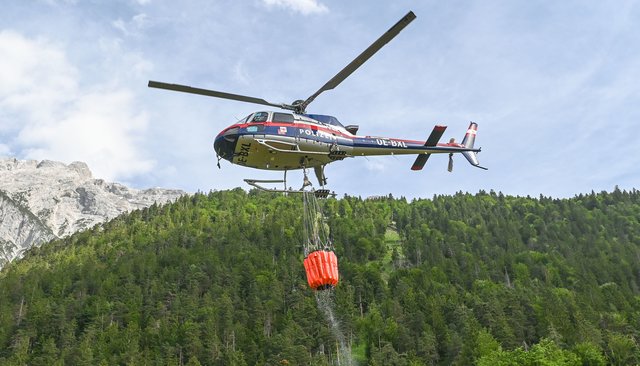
<point>44,200</point>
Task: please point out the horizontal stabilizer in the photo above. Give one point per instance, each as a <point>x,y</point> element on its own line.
<point>421,160</point>
<point>435,136</point>
<point>433,139</point>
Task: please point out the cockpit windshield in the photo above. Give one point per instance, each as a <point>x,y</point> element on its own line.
<point>331,120</point>
<point>245,119</point>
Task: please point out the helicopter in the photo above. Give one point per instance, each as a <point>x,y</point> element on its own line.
<point>294,139</point>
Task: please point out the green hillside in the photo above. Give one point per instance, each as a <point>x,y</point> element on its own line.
<point>217,279</point>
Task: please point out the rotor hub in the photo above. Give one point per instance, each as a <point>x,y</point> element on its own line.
<point>298,106</point>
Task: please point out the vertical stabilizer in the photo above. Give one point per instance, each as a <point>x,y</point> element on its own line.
<point>468,141</point>
<point>470,137</point>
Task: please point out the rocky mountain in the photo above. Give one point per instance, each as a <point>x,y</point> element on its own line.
<point>44,200</point>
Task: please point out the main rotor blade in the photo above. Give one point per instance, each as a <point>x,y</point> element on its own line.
<point>363,57</point>
<point>213,93</point>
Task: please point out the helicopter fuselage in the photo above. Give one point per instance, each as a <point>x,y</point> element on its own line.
<point>289,141</point>
<point>296,140</point>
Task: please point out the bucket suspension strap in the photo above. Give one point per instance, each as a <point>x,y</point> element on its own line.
<point>316,230</point>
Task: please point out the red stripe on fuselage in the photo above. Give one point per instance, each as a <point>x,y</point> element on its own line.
<point>310,126</point>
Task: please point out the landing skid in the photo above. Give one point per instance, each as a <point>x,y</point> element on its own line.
<point>319,193</point>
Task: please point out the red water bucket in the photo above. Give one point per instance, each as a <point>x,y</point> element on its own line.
<point>322,269</point>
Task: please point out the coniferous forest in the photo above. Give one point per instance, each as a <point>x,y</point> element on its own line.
<point>217,279</point>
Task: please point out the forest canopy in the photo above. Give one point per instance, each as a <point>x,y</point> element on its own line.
<point>217,279</point>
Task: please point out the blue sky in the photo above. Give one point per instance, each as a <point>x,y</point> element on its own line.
<point>553,86</point>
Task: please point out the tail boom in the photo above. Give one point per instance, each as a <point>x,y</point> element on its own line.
<point>376,146</point>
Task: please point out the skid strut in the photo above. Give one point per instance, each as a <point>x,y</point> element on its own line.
<point>319,193</point>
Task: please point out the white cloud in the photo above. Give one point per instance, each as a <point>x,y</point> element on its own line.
<point>35,76</point>
<point>98,128</point>
<point>120,25</point>
<point>53,117</point>
<point>120,63</point>
<point>132,27</point>
<point>305,7</point>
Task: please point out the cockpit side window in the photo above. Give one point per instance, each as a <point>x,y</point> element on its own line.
<point>260,117</point>
<point>331,120</point>
<point>283,117</point>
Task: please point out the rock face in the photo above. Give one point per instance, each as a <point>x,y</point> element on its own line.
<point>44,200</point>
